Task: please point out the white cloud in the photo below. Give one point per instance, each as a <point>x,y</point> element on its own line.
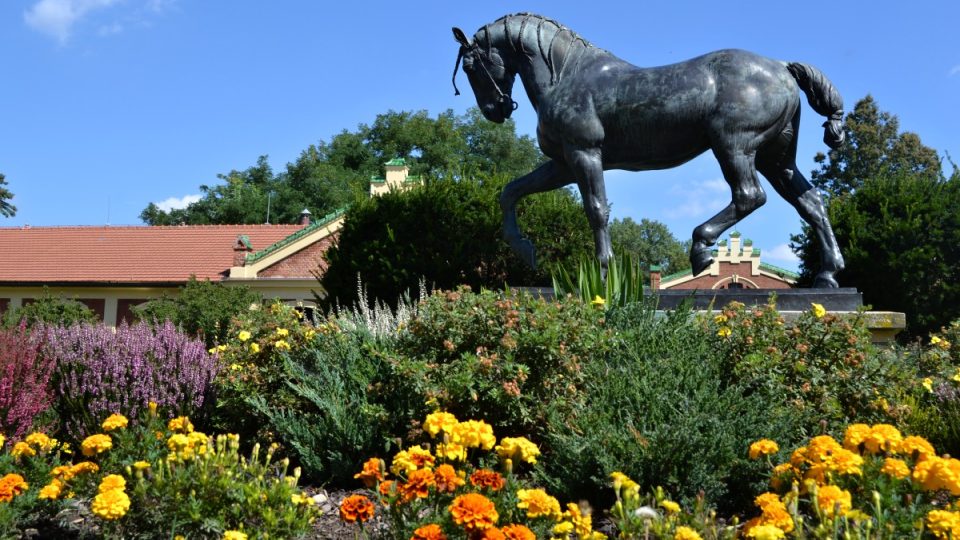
<point>174,203</point>
<point>701,199</point>
<point>56,18</point>
<point>955,70</point>
<point>781,254</point>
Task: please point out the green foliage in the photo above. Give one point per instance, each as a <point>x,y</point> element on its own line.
<point>507,359</point>
<point>935,411</point>
<point>623,284</point>
<point>330,176</point>
<point>50,309</point>
<point>202,308</point>
<point>661,409</point>
<point>6,209</point>
<point>650,242</point>
<point>446,233</point>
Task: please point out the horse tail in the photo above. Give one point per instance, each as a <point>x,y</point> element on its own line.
<point>823,97</point>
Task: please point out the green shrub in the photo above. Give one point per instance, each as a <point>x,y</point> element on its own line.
<point>935,411</point>
<point>50,309</point>
<point>662,410</point>
<point>623,284</point>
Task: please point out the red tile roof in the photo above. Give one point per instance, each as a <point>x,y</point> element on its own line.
<point>127,254</point>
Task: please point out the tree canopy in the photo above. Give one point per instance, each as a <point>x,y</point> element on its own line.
<point>894,215</point>
<point>6,209</point>
<point>651,243</point>
<point>330,175</point>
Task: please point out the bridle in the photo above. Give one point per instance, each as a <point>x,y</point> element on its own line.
<point>504,102</point>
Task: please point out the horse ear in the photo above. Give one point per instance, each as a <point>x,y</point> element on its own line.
<point>460,37</point>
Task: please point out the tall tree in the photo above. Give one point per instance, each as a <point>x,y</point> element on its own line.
<point>651,242</point>
<point>6,209</point>
<point>894,215</point>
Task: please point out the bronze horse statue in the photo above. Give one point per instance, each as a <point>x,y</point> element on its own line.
<point>597,112</point>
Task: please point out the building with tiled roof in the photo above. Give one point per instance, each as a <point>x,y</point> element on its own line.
<point>735,265</point>
<point>112,269</point>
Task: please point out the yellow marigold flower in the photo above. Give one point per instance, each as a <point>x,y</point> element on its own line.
<point>234,535</point>
<point>283,332</point>
<point>517,532</point>
<point>22,449</point>
<point>935,473</point>
<point>928,384</point>
<point>180,424</point>
<point>883,437</point>
<point>582,521</point>
<point>356,508</point>
<point>943,524</point>
<point>896,468</point>
<point>12,485</point>
<point>96,444</point>
<point>84,467</point>
<point>598,301</point>
<point>372,472</point>
<point>821,448</point>
<point>254,347</point>
<point>474,512</point>
<point>720,319</point>
<point>538,503</point>
<point>935,339</point>
<point>411,459</point>
<point>451,451</point>
<point>243,335</point>
<point>115,421</point>
<point>110,505</point>
<point>112,481</point>
<point>564,528</point>
<point>781,473</point>
<point>670,506</point>
<point>955,378</point>
<point>855,435</point>
<point>774,512</point>
<point>474,434</point>
<point>62,472</point>
<point>686,533</point>
<point>844,461</point>
<point>2,440</point>
<point>141,465</point>
<point>763,447</point>
<point>152,407</point>
<point>724,332</point>
<point>439,421</point>
<point>236,367</point>
<point>42,441</point>
<point>430,531</point>
<point>916,447</point>
<point>282,345</point>
<point>309,334</point>
<point>51,491</point>
<point>833,501</point>
<point>818,310</point>
<point>518,448</point>
<point>765,532</point>
<point>301,499</point>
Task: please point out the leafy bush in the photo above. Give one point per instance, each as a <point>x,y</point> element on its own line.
<point>661,409</point>
<point>146,479</point>
<point>100,370</point>
<point>936,390</point>
<point>50,309</point>
<point>202,308</point>
<point>25,391</point>
<point>511,359</point>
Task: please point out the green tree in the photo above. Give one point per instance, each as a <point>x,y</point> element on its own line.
<point>203,308</point>
<point>447,233</point>
<point>6,209</point>
<point>651,242</point>
<point>890,205</point>
<point>329,176</point>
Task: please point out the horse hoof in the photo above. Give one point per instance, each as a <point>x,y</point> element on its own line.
<point>701,259</point>
<point>824,280</point>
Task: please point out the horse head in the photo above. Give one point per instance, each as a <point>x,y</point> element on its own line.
<point>490,78</point>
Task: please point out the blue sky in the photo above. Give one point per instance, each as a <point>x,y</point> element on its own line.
<point>108,105</point>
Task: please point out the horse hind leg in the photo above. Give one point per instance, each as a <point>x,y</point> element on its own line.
<point>740,173</point>
<point>778,164</point>
<point>549,176</point>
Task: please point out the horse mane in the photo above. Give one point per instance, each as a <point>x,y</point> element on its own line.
<point>546,52</point>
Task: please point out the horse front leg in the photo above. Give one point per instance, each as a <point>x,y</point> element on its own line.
<point>587,167</point>
<point>549,176</point>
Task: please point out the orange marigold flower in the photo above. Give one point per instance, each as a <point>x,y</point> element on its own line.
<point>84,467</point>
<point>917,447</point>
<point>518,532</point>
<point>12,485</point>
<point>51,491</point>
<point>112,481</point>
<point>22,449</point>
<point>833,500</point>
<point>855,435</point>
<point>372,472</point>
<point>896,468</point>
<point>356,508</point>
<point>417,485</point>
<point>485,478</point>
<point>492,533</point>
<point>763,447</point>
<point>429,532</point>
<point>883,437</point>
<point>387,488</point>
<point>447,479</point>
<point>474,512</point>
<point>42,441</point>
<point>180,424</point>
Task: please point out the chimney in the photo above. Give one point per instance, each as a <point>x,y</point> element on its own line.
<point>654,277</point>
<point>304,217</point>
<point>241,247</point>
